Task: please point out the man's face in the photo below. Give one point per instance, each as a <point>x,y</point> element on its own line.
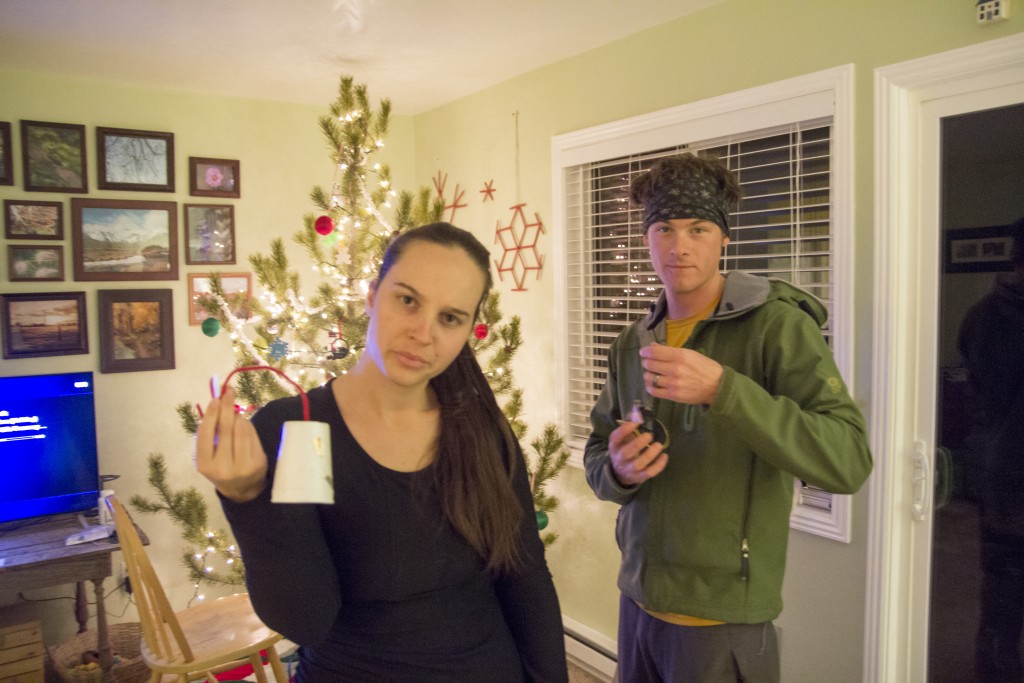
<point>685,254</point>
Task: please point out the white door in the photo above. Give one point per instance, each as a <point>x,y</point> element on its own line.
<point>911,101</point>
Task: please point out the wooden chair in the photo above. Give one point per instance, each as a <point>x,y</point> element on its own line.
<point>198,642</point>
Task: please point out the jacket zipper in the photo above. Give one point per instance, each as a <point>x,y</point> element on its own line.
<point>744,544</point>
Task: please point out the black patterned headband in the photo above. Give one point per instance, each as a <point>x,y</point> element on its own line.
<point>696,196</point>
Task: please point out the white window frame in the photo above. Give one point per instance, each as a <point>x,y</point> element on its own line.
<point>804,98</point>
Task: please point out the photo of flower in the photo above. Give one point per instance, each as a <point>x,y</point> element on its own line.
<point>213,177</point>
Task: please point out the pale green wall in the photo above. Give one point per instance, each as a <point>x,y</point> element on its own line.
<point>732,46</point>
<point>282,157</point>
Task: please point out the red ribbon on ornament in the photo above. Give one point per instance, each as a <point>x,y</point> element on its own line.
<point>252,368</point>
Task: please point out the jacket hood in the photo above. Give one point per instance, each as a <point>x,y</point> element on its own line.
<point>744,291</point>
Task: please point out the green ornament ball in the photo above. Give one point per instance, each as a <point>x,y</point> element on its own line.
<point>542,519</point>
<point>211,327</point>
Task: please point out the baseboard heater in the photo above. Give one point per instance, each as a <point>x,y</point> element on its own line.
<point>590,655</point>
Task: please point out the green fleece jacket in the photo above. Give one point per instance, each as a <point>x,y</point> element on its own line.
<point>707,537</point>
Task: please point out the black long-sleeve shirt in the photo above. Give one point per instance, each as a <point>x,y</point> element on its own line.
<point>379,586</point>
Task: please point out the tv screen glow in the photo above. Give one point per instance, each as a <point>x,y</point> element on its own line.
<point>48,455</point>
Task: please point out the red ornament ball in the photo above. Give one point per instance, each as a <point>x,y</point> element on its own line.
<point>324,225</point>
<point>480,331</point>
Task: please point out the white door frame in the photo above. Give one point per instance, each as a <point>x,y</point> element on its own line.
<point>910,99</point>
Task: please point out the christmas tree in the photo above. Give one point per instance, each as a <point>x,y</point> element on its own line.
<point>312,339</point>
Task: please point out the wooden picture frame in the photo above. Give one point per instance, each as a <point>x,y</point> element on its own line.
<point>6,154</point>
<point>53,157</point>
<point>214,177</point>
<point>50,324</point>
<point>29,220</point>
<point>124,239</point>
<point>978,250</point>
<point>136,329</point>
<point>209,234</point>
<point>35,263</point>
<point>237,289</point>
<point>136,160</point>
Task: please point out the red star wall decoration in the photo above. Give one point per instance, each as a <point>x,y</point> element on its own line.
<point>488,191</point>
<point>518,241</point>
<point>439,183</point>
<point>454,206</point>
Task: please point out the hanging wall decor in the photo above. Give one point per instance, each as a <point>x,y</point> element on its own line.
<point>53,157</point>
<point>518,242</point>
<point>137,160</point>
<point>439,183</point>
<point>6,165</point>
<point>488,191</point>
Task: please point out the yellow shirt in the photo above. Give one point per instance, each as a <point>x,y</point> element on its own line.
<point>676,334</point>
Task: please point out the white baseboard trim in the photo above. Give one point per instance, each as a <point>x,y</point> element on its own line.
<point>590,650</point>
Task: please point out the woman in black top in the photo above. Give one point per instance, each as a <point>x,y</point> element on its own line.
<point>428,567</point>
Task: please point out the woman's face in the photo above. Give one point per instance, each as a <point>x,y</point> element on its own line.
<point>422,311</point>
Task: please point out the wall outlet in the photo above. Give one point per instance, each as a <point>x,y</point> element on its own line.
<point>992,10</point>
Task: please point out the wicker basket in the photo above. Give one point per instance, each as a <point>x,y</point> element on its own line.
<point>128,667</point>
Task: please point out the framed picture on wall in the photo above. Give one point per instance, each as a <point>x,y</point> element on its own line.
<point>6,165</point>
<point>34,263</point>
<point>978,250</point>
<point>209,233</point>
<point>136,329</point>
<point>140,160</point>
<point>51,324</point>
<point>214,177</point>
<point>237,288</point>
<point>28,220</point>
<point>53,157</point>
<point>123,239</point>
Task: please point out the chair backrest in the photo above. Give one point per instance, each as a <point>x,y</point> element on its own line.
<point>160,628</point>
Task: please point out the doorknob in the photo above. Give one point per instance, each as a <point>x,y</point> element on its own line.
<point>921,485</point>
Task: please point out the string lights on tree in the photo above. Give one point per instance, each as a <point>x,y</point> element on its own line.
<point>314,337</point>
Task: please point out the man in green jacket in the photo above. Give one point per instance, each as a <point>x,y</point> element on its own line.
<point>714,402</point>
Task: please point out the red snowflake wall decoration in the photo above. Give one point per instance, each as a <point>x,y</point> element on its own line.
<point>439,182</point>
<point>518,241</point>
<point>488,191</point>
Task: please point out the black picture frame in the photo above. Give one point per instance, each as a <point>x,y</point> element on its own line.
<point>44,324</point>
<point>134,160</point>
<point>53,157</point>
<point>136,329</point>
<point>6,154</point>
<point>124,239</point>
<point>25,219</point>
<point>209,177</point>
<point>978,250</point>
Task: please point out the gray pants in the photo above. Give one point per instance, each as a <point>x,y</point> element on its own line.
<point>655,651</point>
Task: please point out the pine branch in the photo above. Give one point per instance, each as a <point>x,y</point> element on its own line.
<point>187,509</point>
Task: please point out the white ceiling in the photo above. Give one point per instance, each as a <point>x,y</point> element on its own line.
<point>419,53</point>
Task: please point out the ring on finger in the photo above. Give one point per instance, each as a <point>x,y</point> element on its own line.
<point>654,380</point>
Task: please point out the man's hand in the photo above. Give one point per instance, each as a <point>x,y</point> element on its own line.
<point>634,457</point>
<point>229,452</point>
<point>681,375</point>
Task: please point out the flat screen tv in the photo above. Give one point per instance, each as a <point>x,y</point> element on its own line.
<point>48,456</point>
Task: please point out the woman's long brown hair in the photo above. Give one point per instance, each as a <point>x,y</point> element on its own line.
<point>475,458</point>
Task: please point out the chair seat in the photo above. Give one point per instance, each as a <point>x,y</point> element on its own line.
<point>219,630</point>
